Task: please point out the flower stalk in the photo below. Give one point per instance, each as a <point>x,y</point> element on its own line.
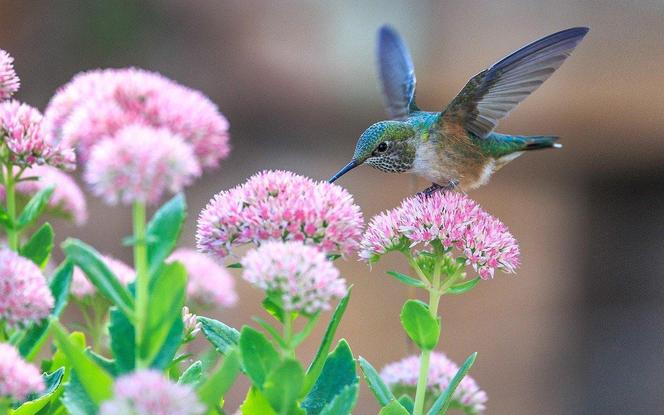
<point>142,276</point>
<point>434,299</point>
<point>10,188</point>
<point>289,350</point>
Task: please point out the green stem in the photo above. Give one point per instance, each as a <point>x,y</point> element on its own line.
<point>142,277</point>
<point>288,336</point>
<point>413,264</point>
<point>3,332</point>
<point>451,280</point>
<point>422,383</point>
<point>434,300</point>
<point>10,189</point>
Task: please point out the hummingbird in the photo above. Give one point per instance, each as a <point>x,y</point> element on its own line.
<point>457,147</point>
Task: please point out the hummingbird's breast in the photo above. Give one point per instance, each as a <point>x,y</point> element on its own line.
<point>448,154</point>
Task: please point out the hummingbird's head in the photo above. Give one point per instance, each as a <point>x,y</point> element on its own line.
<point>386,145</point>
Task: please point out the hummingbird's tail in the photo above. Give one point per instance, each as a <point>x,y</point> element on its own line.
<point>538,142</point>
<point>499,145</point>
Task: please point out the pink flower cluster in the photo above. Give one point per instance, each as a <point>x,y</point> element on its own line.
<point>451,218</point>
<point>95,105</point>
<point>25,294</point>
<point>404,373</point>
<point>81,287</point>
<point>191,324</point>
<point>280,205</point>
<point>18,378</point>
<point>21,130</point>
<point>67,198</point>
<point>139,164</point>
<point>301,275</point>
<point>209,283</point>
<point>148,392</point>
<point>9,82</point>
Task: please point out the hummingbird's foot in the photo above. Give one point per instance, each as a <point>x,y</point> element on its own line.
<point>435,187</point>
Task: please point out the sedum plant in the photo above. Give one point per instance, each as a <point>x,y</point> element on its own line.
<point>139,136</point>
<point>440,236</point>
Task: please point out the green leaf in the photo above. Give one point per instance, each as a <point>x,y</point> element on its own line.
<point>222,337</point>
<point>122,338</point>
<point>131,240</point>
<point>441,404</point>
<point>76,398</point>
<point>212,391</point>
<point>52,380</point>
<point>337,373</point>
<point>59,285</point>
<point>272,331</point>
<point>39,401</point>
<point>273,306</point>
<point>422,328</point>
<point>393,408</point>
<point>90,261</point>
<point>321,355</point>
<point>39,246</point>
<point>234,265</point>
<point>407,402</point>
<point>193,375</point>
<point>164,230</point>
<point>96,382</point>
<point>283,385</point>
<point>344,402</point>
<point>380,390</point>
<point>34,207</point>
<point>173,341</point>
<point>165,302</point>
<point>259,357</point>
<point>406,279</point>
<point>60,359</point>
<point>36,334</point>
<point>256,404</point>
<point>464,287</point>
<point>103,362</point>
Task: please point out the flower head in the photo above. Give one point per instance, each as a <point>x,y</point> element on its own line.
<point>139,164</point>
<point>402,377</point>
<point>148,392</point>
<point>191,324</point>
<point>453,220</point>
<point>21,130</point>
<point>209,283</point>
<point>25,295</point>
<point>279,205</point>
<point>18,378</point>
<point>300,275</point>
<point>67,198</point>
<point>95,105</point>
<point>81,286</point>
<point>9,82</point>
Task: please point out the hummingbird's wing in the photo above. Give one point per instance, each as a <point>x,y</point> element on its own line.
<point>397,73</point>
<point>494,92</point>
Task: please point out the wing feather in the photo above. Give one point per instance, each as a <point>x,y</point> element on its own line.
<point>397,73</point>
<point>494,92</point>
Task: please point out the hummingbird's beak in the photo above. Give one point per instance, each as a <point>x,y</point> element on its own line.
<point>348,167</point>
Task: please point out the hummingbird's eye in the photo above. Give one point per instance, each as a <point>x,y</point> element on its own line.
<point>381,147</point>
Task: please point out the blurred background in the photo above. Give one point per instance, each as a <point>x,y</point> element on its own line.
<point>580,328</point>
